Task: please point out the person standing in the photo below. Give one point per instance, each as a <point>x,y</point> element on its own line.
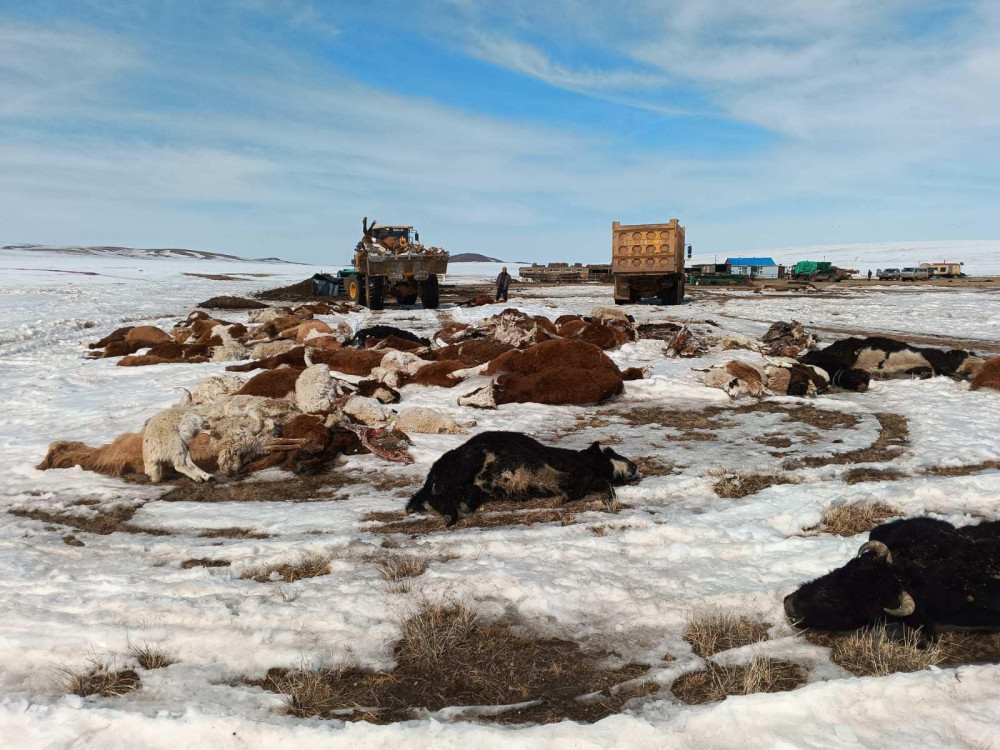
<point>503,284</point>
<point>869,274</point>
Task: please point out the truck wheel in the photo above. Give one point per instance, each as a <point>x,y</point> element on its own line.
<point>356,289</point>
<point>430,293</point>
<point>376,299</point>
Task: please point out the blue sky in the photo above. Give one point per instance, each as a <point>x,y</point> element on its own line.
<point>513,128</point>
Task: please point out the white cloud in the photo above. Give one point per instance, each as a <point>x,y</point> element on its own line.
<point>52,71</point>
<point>298,14</point>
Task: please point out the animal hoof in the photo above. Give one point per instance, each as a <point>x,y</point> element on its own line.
<point>449,520</point>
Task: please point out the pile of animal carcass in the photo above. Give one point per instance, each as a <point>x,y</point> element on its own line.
<point>322,389</point>
<point>791,364</point>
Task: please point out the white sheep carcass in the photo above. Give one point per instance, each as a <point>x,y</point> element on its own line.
<point>421,420</point>
<point>396,364</point>
<point>316,389</point>
<point>366,410</point>
<point>165,440</point>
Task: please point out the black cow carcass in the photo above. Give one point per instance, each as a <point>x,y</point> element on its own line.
<point>513,466</point>
<point>851,362</point>
<point>920,572</point>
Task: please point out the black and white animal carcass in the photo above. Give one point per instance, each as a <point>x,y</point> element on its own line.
<point>511,466</point>
<point>920,572</point>
<point>851,362</point>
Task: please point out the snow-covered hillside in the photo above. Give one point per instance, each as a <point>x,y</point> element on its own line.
<point>981,258</point>
<point>105,251</point>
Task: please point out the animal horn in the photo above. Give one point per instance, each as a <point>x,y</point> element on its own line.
<point>880,550</point>
<point>188,398</point>
<point>905,608</point>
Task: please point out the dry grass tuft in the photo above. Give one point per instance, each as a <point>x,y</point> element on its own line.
<point>969,648</point>
<point>848,520</point>
<point>864,474</point>
<point>651,466</point>
<point>396,568</point>
<point>204,562</point>
<point>397,571</point>
<point>872,651</point>
<point>448,657</point>
<point>98,679</point>
<point>718,630</point>
<point>233,532</point>
<point>309,566</point>
<point>737,484</point>
<point>761,675</point>
<point>150,657</point>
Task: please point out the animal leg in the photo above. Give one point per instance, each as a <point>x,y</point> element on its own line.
<point>155,473</point>
<point>472,502</point>
<point>188,468</point>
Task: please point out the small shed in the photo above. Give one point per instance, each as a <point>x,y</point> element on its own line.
<point>756,268</point>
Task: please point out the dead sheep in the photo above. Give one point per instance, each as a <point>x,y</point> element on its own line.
<point>215,388</point>
<point>736,378</point>
<point>269,314</point>
<point>739,341</point>
<point>316,389</point>
<point>421,420</point>
<point>271,348</point>
<point>367,411</point>
<point>396,367</point>
<point>165,440</point>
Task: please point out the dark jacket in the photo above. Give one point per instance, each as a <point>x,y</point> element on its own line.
<point>503,281</point>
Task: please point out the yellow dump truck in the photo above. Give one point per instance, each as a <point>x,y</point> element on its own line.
<point>648,261</point>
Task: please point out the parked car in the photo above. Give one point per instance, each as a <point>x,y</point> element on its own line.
<point>888,274</point>
<point>914,274</point>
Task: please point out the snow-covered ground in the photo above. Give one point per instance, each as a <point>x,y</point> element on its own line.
<point>675,549</point>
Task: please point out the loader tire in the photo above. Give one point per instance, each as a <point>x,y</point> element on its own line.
<point>356,289</point>
<point>376,293</point>
<point>429,293</point>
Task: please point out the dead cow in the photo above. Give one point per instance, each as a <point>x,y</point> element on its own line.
<point>555,372</point>
<point>881,357</point>
<point>511,465</point>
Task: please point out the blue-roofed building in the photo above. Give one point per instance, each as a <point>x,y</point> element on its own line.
<point>757,268</point>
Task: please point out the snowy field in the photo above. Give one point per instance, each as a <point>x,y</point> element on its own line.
<point>675,548</point>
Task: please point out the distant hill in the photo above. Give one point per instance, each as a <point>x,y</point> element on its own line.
<point>473,258</point>
<point>136,252</point>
